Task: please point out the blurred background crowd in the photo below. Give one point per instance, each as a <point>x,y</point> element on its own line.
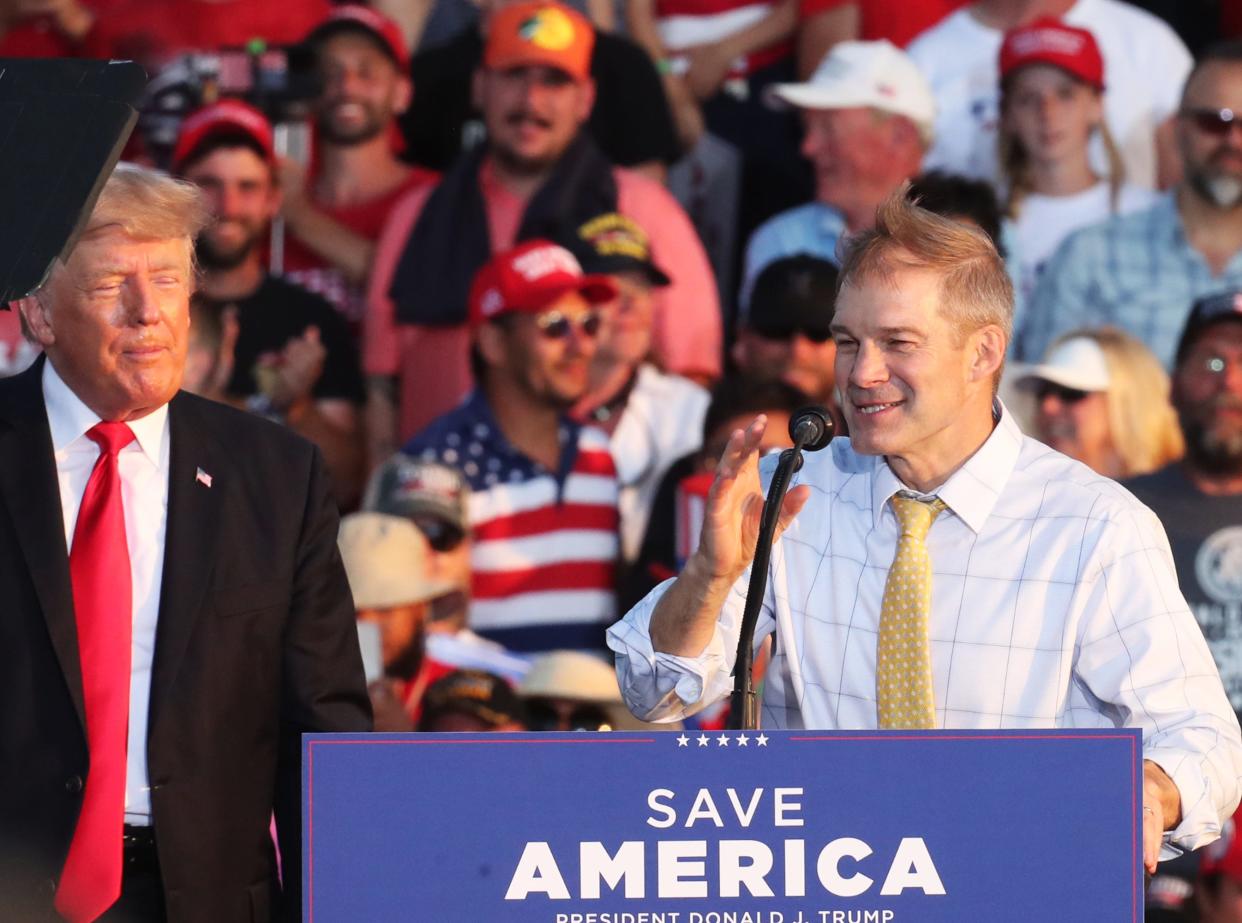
<point>519,268</point>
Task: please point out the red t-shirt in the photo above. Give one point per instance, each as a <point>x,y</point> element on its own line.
<point>899,21</point>
<point>709,11</point>
<point>153,31</point>
<point>37,36</point>
<point>311,271</point>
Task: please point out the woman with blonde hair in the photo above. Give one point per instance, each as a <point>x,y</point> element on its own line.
<point>1052,107</point>
<point>1102,397</point>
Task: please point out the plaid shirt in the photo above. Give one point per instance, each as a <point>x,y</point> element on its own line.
<point>1054,604</point>
<point>1137,272</point>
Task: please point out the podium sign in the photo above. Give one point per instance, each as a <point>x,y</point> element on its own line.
<point>736,827</point>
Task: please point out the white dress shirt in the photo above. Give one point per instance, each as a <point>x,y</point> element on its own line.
<point>1054,604</point>
<point>143,466</point>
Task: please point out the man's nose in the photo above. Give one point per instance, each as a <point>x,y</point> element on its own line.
<point>142,300</point>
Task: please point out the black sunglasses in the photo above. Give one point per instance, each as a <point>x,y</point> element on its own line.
<point>1061,393</point>
<point>542,716</point>
<point>1216,122</point>
<point>788,333</point>
<point>556,326</point>
<point>441,536</point>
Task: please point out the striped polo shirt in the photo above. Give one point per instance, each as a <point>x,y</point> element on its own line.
<point>545,543</point>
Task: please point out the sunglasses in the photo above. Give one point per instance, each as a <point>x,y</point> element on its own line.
<point>544,716</point>
<point>556,326</point>
<point>1061,393</point>
<point>441,536</point>
<point>1216,122</point>
<point>788,333</point>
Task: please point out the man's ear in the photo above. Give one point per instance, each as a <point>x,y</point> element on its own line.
<point>37,320</point>
<point>490,341</point>
<point>988,352</point>
<point>739,353</point>
<point>586,101</point>
<point>405,95</point>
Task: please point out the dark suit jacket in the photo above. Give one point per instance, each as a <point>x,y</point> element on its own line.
<point>255,644</point>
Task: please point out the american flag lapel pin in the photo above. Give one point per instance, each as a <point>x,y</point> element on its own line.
<point>202,477</point>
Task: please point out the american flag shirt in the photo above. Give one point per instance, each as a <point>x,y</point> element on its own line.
<point>545,543</point>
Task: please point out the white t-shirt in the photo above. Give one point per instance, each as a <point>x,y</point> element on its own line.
<point>662,421</point>
<point>1044,221</point>
<point>1145,66</point>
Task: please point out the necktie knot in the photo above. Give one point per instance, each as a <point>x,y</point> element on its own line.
<point>110,437</point>
<point>915,516</point>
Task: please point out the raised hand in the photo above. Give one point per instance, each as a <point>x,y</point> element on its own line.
<point>735,507</point>
<point>684,618</point>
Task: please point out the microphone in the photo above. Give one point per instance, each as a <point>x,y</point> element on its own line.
<point>811,428</point>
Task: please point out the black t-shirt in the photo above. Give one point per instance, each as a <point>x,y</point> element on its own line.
<point>277,312</point>
<point>1205,533</point>
<point>631,121</point>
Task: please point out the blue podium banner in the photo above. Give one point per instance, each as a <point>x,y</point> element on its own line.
<point>736,827</point>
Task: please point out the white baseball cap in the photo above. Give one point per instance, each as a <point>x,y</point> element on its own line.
<point>873,74</point>
<point>1076,363</point>
<point>386,561</point>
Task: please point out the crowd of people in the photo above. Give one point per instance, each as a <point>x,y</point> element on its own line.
<point>522,270</point>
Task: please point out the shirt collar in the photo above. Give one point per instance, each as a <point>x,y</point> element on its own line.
<point>478,410</point>
<point>69,419</point>
<point>972,491</point>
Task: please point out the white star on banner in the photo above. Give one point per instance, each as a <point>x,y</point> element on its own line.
<point>683,741</point>
<point>703,741</point>
<point>722,740</point>
<point>742,740</point>
<point>762,740</point>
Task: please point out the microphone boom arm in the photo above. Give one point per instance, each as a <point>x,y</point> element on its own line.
<point>811,429</point>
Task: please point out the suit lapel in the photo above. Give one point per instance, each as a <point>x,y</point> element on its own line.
<point>190,540</point>
<point>30,492</point>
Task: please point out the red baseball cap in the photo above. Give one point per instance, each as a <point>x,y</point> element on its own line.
<point>353,17</point>
<point>530,277</point>
<point>227,115</point>
<point>1050,41</point>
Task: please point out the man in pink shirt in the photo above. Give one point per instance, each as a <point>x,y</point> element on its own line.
<point>537,175</point>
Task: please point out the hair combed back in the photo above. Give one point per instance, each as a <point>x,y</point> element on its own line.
<point>149,205</point>
<point>975,289</point>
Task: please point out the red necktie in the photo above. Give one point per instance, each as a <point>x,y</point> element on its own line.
<point>102,600</point>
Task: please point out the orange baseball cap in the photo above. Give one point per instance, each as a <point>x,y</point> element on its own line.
<point>540,32</point>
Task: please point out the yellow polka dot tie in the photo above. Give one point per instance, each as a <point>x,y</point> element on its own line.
<point>903,676</point>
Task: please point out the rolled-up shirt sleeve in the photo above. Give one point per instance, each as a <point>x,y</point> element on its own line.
<point>662,687</point>
<point>1141,651</point>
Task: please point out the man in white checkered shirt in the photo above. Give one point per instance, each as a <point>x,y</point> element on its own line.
<point>1054,597</point>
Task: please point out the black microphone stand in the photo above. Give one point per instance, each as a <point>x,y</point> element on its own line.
<point>811,430</point>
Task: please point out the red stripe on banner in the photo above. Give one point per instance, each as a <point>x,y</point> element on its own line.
<point>569,575</point>
<point>546,519</point>
<point>594,462</point>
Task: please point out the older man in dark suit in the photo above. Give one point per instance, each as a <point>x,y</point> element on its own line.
<point>173,611</point>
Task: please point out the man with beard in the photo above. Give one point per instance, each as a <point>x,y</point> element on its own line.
<point>386,559</point>
<point>539,176</point>
<point>543,501</point>
<point>335,216</point>
<point>1140,271</point>
<point>294,360</point>
<point>1199,499</point>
